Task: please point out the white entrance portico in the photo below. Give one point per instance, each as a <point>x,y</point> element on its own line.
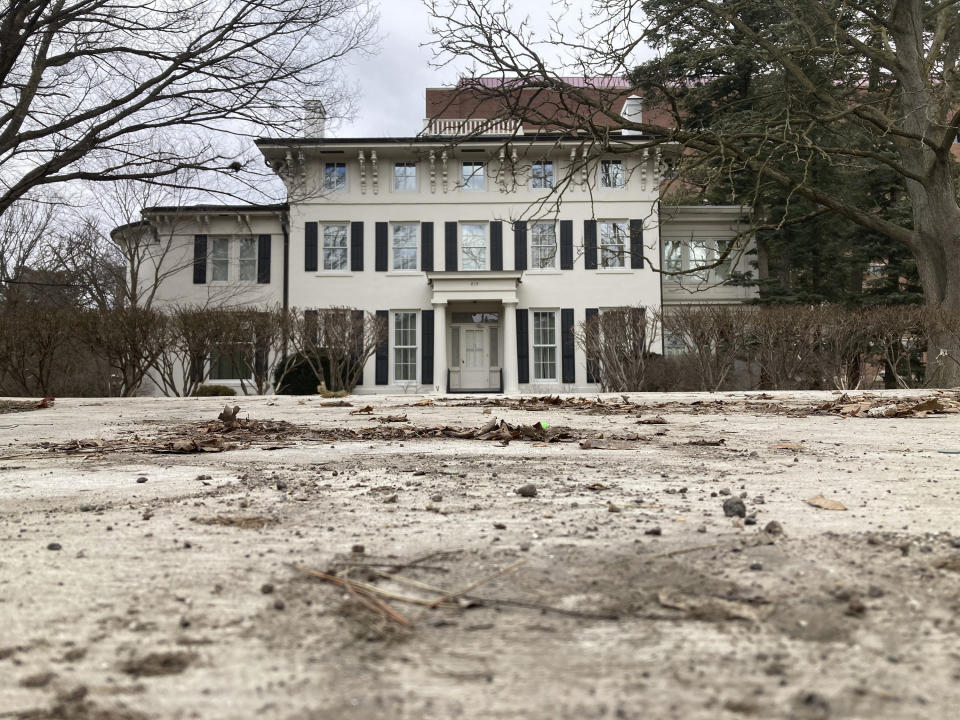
<point>475,330</point>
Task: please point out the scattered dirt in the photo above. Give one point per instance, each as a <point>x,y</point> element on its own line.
<point>384,565</point>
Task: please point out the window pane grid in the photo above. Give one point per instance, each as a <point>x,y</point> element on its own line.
<point>335,176</point>
<point>405,176</point>
<point>611,173</point>
<point>405,346</point>
<point>543,246</point>
<point>542,175</point>
<point>247,260</point>
<point>544,345</point>
<point>613,236</point>
<point>334,247</point>
<point>473,247</point>
<point>220,260</point>
<point>405,246</point>
<point>472,176</point>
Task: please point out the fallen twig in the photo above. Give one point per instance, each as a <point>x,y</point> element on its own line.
<point>362,595</point>
<point>478,583</point>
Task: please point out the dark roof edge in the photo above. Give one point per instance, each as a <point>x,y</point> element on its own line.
<point>437,139</point>
<point>211,207</point>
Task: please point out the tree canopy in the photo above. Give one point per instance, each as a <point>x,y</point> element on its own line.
<point>101,90</point>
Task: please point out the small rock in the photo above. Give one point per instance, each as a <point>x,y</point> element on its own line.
<point>266,588</point>
<point>528,490</point>
<point>750,520</point>
<point>856,608</point>
<point>141,479</point>
<point>279,604</point>
<point>734,507</point>
<point>725,491</point>
<point>524,546</point>
<point>613,508</point>
<point>773,528</point>
<point>54,546</point>
<point>875,591</point>
<point>759,500</point>
<point>281,485</point>
<point>418,473</point>
<point>756,566</point>
<point>74,654</point>
<point>358,549</point>
<point>184,622</point>
<point>436,497</point>
<point>702,529</point>
<point>390,499</point>
<point>499,526</point>
<point>37,680</point>
<point>653,531</point>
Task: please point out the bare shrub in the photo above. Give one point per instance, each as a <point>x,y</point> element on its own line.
<point>780,344</point>
<point>617,344</point>
<point>713,337</point>
<point>256,338</point>
<point>898,343</point>
<point>192,334</point>
<point>127,340</point>
<point>338,340</point>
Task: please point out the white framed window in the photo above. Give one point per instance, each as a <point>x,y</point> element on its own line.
<point>335,248</point>
<point>541,175</point>
<point>405,347</point>
<point>673,255</point>
<point>543,246</point>
<point>544,345</point>
<point>404,176</point>
<point>611,174</point>
<point>233,259</point>
<point>405,246</point>
<point>473,246</point>
<point>473,175</point>
<point>613,236</point>
<point>220,260</point>
<point>699,250</point>
<point>230,366</point>
<point>334,176</point>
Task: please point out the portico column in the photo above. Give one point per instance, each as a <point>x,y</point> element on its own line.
<point>510,384</point>
<point>440,347</point>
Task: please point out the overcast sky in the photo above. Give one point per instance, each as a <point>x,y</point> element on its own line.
<point>392,82</point>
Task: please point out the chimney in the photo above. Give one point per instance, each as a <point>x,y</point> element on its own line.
<point>632,111</point>
<point>314,119</point>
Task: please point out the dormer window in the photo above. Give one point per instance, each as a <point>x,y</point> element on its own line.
<point>473,176</point>
<point>334,176</point>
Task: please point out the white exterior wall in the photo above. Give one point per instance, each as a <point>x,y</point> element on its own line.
<point>505,199</point>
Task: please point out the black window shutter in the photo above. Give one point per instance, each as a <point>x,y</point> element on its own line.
<point>590,244</point>
<point>310,247</point>
<point>593,372</point>
<point>356,246</point>
<point>263,259</point>
<point>523,347</point>
<point>636,244</point>
<point>356,332</point>
<point>496,245</point>
<point>450,245</point>
<point>520,245</point>
<point>426,246</point>
<point>260,357</point>
<point>380,254</point>
<point>566,244</point>
<point>199,259</point>
<point>382,373</point>
<point>426,351</point>
<point>566,346</point>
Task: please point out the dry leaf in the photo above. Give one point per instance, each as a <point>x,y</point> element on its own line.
<point>825,503</point>
<point>366,410</point>
<point>597,487</point>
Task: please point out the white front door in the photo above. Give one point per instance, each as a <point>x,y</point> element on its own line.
<point>474,358</point>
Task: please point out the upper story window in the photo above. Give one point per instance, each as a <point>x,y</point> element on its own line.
<point>543,246</point>
<point>405,246</point>
<point>541,175</point>
<point>611,173</point>
<point>405,176</point>
<point>613,243</point>
<point>334,176</point>
<point>473,246</point>
<point>335,247</point>
<point>233,259</point>
<point>473,176</point>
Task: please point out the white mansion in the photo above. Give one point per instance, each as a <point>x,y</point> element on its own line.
<point>482,243</point>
